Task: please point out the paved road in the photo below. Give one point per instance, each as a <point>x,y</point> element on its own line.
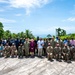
<point>35,66</point>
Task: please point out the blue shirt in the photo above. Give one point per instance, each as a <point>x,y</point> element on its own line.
<point>65,41</point>
<point>1,48</point>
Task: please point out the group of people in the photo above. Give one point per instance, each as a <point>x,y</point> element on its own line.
<point>52,48</point>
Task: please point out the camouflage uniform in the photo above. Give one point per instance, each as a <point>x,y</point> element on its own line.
<point>57,52</point>
<point>53,44</point>
<point>73,52</point>
<point>20,50</point>
<point>26,48</point>
<point>50,52</point>
<point>13,51</point>
<point>7,51</point>
<point>60,43</point>
<point>66,53</point>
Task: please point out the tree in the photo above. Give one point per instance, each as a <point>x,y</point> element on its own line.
<point>18,35</point>
<point>29,34</point>
<point>60,32</point>
<point>14,35</point>
<point>22,34</point>
<point>1,30</point>
<point>7,34</point>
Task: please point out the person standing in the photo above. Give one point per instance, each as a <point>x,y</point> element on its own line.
<point>72,42</point>
<point>32,48</point>
<point>1,50</point>
<point>26,47</point>
<point>53,42</point>
<point>17,43</point>
<point>45,47</point>
<point>20,50</point>
<point>40,45</point>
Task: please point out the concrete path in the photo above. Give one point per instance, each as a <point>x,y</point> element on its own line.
<point>35,66</point>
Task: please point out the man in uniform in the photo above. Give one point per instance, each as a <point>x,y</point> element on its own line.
<point>66,53</point>
<point>13,50</point>
<point>53,44</point>
<point>73,52</point>
<point>57,52</point>
<point>50,52</point>
<point>20,50</point>
<point>7,51</point>
<point>26,47</point>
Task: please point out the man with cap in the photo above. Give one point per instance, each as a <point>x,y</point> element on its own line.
<point>49,52</point>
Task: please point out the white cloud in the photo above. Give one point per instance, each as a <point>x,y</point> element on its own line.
<point>28,4</point>
<point>18,14</point>
<point>3,20</point>
<point>52,30</point>
<point>71,19</point>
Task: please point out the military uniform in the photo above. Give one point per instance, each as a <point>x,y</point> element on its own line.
<point>50,52</point>
<point>66,53</point>
<point>73,52</point>
<point>26,48</point>
<point>13,51</point>
<point>60,43</point>
<point>53,44</point>
<point>57,52</point>
<point>20,51</point>
<point>7,51</point>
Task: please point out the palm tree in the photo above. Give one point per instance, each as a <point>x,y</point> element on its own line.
<point>29,34</point>
<point>8,34</point>
<point>1,30</point>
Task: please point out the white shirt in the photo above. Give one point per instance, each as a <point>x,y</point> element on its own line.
<point>40,43</point>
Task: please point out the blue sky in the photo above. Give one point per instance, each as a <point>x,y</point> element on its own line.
<point>41,17</point>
